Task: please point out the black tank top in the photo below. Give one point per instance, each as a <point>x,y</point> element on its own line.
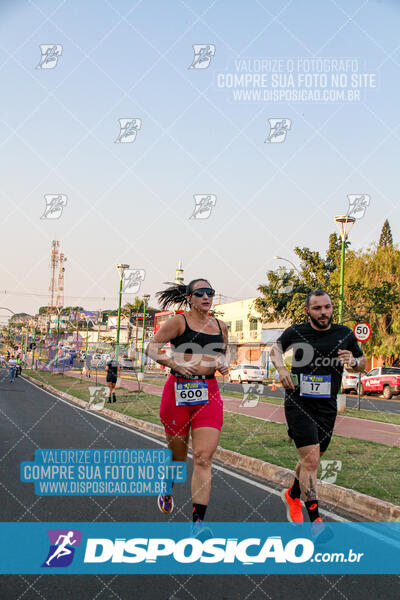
<point>196,342</point>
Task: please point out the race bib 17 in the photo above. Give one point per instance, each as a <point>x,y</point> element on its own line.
<point>315,386</point>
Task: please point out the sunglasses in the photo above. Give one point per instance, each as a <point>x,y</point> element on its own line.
<point>199,293</point>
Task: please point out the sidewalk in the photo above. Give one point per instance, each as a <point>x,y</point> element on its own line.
<point>362,429</point>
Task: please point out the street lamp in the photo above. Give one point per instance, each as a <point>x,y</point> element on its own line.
<point>344,224</point>
<point>289,261</point>
<point>121,268</point>
<point>146,298</point>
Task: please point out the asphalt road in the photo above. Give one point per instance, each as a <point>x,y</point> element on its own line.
<point>32,418</point>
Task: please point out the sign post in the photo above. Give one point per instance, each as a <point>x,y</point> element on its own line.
<point>363,332</point>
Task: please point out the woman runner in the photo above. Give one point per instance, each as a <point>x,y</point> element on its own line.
<point>199,345</point>
<point>113,371</point>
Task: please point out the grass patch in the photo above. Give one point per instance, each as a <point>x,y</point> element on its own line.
<point>367,467</point>
<point>370,415</point>
<point>159,382</point>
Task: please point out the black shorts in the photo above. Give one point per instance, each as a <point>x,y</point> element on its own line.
<point>111,379</point>
<point>310,421</point>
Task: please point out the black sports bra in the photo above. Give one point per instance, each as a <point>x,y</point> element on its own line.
<point>197,342</point>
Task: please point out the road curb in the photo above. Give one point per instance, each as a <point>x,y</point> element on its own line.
<point>365,507</point>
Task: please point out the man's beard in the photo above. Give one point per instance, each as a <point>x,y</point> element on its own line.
<point>318,324</point>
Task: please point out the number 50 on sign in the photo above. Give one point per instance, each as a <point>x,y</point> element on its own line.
<point>362,331</point>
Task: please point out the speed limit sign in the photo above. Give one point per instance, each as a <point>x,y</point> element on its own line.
<point>362,331</point>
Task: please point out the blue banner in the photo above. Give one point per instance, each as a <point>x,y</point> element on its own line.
<point>102,472</point>
<point>82,315</point>
<point>216,548</point>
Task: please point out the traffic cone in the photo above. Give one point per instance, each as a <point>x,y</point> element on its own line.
<point>273,385</point>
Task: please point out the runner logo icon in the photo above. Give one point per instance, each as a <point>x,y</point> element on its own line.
<point>128,130</point>
<point>97,398</point>
<point>50,53</point>
<point>55,203</point>
<point>62,547</point>
<point>330,470</point>
<point>132,279</point>
<point>202,56</point>
<point>278,129</point>
<point>358,204</point>
<point>203,205</point>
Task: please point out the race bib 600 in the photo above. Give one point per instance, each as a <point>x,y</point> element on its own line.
<point>191,392</point>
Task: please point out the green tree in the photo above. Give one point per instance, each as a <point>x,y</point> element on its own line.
<point>371,293</point>
<point>386,238</point>
<point>283,295</point>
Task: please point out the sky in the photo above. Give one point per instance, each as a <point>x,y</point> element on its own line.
<point>131,202</point>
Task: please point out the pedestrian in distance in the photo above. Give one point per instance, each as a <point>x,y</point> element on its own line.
<point>88,364</point>
<point>113,371</point>
<point>12,367</point>
<point>18,369</point>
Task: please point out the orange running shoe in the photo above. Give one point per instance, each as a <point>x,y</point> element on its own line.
<point>293,507</point>
<point>320,531</point>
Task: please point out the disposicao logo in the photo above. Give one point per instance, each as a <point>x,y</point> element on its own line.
<point>192,550</point>
<point>62,547</point>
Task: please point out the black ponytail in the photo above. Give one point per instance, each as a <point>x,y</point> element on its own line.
<point>177,293</point>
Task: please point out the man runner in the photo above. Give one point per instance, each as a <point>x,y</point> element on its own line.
<point>320,350</point>
<point>18,369</point>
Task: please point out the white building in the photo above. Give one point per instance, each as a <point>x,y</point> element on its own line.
<point>250,340</point>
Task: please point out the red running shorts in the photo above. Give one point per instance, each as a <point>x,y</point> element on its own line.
<point>178,419</point>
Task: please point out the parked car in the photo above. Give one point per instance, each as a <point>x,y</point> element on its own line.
<point>104,358</point>
<point>126,363</point>
<point>96,361</point>
<point>245,373</point>
<point>349,381</point>
<point>381,380</point>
